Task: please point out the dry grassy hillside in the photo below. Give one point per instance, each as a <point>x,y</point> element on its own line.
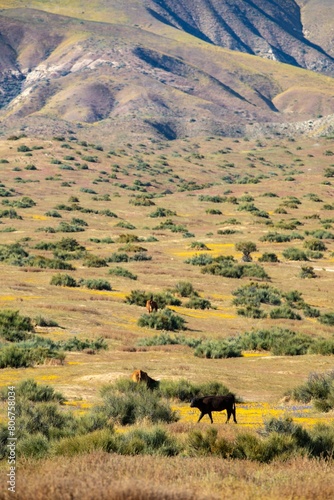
<point>73,64</point>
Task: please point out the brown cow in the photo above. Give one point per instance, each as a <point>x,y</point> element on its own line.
<point>141,376</point>
<point>151,305</point>
<point>207,404</point>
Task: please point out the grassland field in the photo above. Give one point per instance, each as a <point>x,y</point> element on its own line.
<point>61,174</point>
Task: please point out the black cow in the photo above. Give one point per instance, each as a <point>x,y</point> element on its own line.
<point>208,404</point>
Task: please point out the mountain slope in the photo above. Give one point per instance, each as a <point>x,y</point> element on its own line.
<point>149,79</point>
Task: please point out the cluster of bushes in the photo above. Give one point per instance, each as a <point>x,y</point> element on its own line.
<point>278,341</point>
<point>64,250</point>
<point>67,280</point>
<point>227,267</point>
<point>23,348</point>
<point>319,388</point>
<point>46,430</point>
<point>182,289</point>
<point>253,295</point>
<point>162,320</point>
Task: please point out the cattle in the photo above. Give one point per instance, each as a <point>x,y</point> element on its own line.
<point>208,404</point>
<point>151,305</point>
<point>141,376</point>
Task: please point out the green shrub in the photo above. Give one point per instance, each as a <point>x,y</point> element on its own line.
<point>118,257</point>
<point>319,387</point>
<point>15,357</point>
<point>279,341</point>
<point>207,443</point>
<point>13,326</point>
<point>327,319</point>
<point>129,408</point>
<point>152,442</point>
<point>268,257</point>
<point>198,245</point>
<point>307,272</point>
<point>284,312</point>
<point>98,284</point>
<point>184,289</point>
<point>162,320</point>
<point>162,212</point>
<point>94,261</point>
<point>29,389</point>
<point>35,446</point>
<point>200,260</point>
<point>63,280</point>
<point>198,303</point>
<point>43,322</point>
<point>120,271</point>
<point>217,349</point>
<point>294,254</point>
<point>315,245</point>
<point>101,439</point>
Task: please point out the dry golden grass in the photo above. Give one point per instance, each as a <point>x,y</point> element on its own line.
<point>155,478</point>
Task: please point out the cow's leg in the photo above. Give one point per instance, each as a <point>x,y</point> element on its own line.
<point>201,416</point>
<point>228,415</point>
<point>210,415</point>
<point>234,418</point>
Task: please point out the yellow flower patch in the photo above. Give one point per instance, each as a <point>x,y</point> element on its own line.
<point>253,415</point>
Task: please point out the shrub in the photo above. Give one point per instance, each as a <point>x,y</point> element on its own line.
<point>284,312</point>
<point>279,341</point>
<point>327,319</point>
<point>268,257</point>
<point>120,271</point>
<point>208,443</point>
<point>307,272</point>
<point>29,389</point>
<point>41,321</point>
<point>162,212</point>
<point>129,408</point>
<point>33,446</point>
<point>315,245</point>
<point>98,284</point>
<point>198,303</point>
<point>294,254</point>
<point>118,257</point>
<point>200,260</point>
<point>15,357</point>
<point>318,387</point>
<point>198,245</point>
<point>162,320</point>
<point>63,280</point>
<point>94,261</point>
<point>184,289</point>
<point>217,349</point>
<point>246,247</point>
<point>13,326</point>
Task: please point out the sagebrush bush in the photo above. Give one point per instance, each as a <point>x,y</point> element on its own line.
<point>207,443</point>
<point>318,388</point>
<point>29,389</point>
<point>129,408</point>
<point>184,289</point>
<point>198,303</point>
<point>98,284</point>
<point>63,280</point>
<point>162,320</point>
<point>217,349</point>
<point>124,273</point>
<point>35,446</point>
